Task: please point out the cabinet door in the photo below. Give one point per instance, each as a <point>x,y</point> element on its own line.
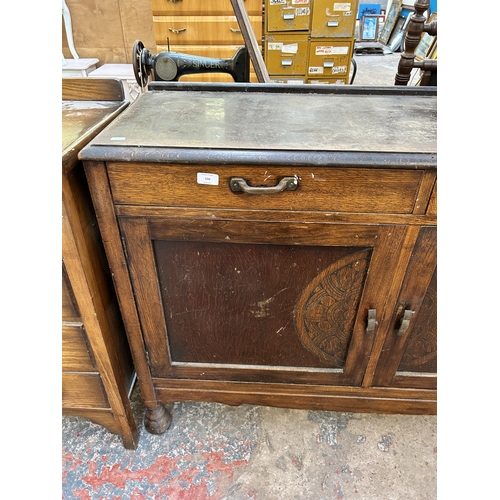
<point>259,300</point>
<point>409,355</point>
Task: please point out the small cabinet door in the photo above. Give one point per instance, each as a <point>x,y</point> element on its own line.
<point>260,300</point>
<point>409,355</point>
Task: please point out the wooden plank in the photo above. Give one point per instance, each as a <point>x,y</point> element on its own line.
<point>251,42</point>
<point>92,89</point>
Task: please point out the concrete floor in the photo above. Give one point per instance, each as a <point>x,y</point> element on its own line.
<point>217,452</point>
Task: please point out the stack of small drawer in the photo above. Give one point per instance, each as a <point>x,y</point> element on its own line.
<point>309,41</point>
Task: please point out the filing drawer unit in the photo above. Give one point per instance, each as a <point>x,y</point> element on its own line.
<point>319,31</point>
<point>203,28</point>
<point>291,264</point>
<point>97,368</point>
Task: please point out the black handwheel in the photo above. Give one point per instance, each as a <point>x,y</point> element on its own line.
<point>140,70</point>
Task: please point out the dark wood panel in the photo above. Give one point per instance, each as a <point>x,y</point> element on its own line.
<point>236,304</point>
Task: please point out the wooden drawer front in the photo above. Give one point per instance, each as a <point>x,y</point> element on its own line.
<point>329,58</point>
<point>286,55</point>
<point>334,19</point>
<point>76,356</point>
<point>209,30</point>
<point>202,8</point>
<point>327,189</point>
<point>70,310</point>
<point>288,16</point>
<point>83,391</point>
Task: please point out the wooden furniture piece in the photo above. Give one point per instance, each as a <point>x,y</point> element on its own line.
<point>416,28</point>
<point>289,264</point>
<point>202,28</point>
<point>97,369</point>
<point>310,41</point>
<point>122,72</point>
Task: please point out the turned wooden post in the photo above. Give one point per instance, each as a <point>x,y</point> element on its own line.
<point>416,27</point>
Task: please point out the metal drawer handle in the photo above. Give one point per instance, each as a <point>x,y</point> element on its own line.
<point>372,321</point>
<point>286,184</point>
<point>175,1</point>
<point>405,322</point>
<point>235,30</point>
<point>180,30</point>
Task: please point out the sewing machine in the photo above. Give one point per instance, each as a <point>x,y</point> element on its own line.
<point>170,66</point>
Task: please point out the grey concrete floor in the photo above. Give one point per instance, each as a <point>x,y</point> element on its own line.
<point>376,69</point>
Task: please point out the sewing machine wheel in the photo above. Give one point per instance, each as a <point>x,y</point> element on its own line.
<point>139,57</point>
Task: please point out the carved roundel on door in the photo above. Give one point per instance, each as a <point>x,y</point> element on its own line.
<point>325,311</point>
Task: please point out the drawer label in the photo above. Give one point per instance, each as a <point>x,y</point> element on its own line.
<point>277,2</point>
<point>286,48</point>
<point>299,2</point>
<point>339,69</point>
<point>302,11</point>
<point>342,6</point>
<point>208,179</point>
<point>328,49</point>
<point>290,48</point>
<point>315,70</point>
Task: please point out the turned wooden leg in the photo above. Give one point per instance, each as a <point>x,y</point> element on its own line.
<point>157,420</point>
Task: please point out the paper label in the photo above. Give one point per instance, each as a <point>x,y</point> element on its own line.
<point>339,69</point>
<point>342,6</point>
<point>209,179</point>
<point>290,48</point>
<point>299,2</point>
<point>277,2</point>
<point>274,46</point>
<point>315,70</point>
<point>328,50</point>
<point>302,11</point>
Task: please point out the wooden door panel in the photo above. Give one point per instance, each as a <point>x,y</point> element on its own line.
<point>259,304</point>
<point>409,356</point>
<point>253,300</point>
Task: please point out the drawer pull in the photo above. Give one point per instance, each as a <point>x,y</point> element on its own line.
<point>180,30</point>
<point>372,321</point>
<point>405,322</point>
<point>235,30</point>
<point>175,1</point>
<point>286,184</point>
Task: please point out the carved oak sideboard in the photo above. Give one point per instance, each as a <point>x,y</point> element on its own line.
<point>97,367</point>
<point>274,245</point>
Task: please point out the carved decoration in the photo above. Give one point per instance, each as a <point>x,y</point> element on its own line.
<point>421,348</point>
<point>326,310</point>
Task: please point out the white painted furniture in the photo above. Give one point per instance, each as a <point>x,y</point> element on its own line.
<point>125,73</point>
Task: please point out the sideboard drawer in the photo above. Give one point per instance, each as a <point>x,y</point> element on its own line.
<point>356,190</point>
<point>76,355</point>
<point>83,391</point>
